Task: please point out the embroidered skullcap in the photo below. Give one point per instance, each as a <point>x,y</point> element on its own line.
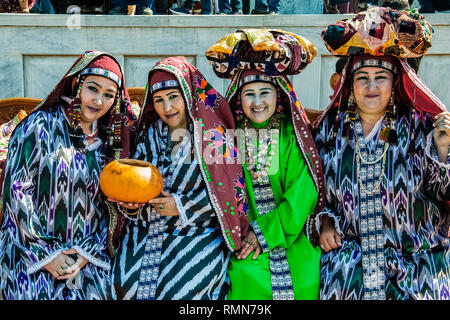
<point>162,80</point>
<point>366,60</point>
<point>249,76</point>
<point>380,32</point>
<point>274,52</point>
<point>106,67</point>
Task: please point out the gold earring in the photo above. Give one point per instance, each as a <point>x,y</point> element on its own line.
<point>391,100</point>
<point>351,99</point>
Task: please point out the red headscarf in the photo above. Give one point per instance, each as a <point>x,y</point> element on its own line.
<point>162,80</point>
<point>106,67</point>
<point>253,75</point>
<point>205,106</point>
<point>64,88</point>
<point>409,89</point>
<point>125,119</point>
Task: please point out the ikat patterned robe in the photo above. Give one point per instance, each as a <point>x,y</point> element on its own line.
<point>414,190</point>
<point>52,202</point>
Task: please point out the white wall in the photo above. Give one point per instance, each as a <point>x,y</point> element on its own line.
<point>36,50</point>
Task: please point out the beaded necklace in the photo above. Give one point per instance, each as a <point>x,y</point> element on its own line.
<point>258,159</point>
<point>360,159</point>
<point>258,163</point>
<point>94,132</point>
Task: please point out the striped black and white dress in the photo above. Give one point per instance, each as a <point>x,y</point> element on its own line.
<point>172,258</point>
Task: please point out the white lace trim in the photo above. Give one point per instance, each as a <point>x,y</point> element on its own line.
<point>181,211</point>
<point>328,213</point>
<point>92,259</point>
<point>35,267</point>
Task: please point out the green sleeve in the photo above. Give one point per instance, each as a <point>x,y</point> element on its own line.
<point>294,192</point>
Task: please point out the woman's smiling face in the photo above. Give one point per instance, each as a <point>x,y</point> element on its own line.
<point>259,101</point>
<point>170,106</point>
<point>97,97</point>
<point>372,88</point>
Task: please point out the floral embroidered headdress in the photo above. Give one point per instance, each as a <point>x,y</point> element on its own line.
<point>270,55</point>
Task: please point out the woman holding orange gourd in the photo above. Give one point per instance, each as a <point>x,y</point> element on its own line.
<point>178,245</point>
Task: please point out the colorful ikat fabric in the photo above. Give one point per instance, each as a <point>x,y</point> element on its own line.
<point>51,202</point>
<point>416,222</point>
<point>172,258</point>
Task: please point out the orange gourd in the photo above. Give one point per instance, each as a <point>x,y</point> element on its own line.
<point>130,180</point>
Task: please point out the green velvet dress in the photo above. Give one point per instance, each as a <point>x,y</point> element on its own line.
<point>295,198</point>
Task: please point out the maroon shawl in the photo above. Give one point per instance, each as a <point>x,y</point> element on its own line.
<point>211,117</point>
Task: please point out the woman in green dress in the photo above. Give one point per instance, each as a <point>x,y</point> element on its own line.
<point>282,171</point>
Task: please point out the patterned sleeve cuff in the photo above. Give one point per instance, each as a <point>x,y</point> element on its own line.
<point>310,230</point>
<point>92,259</point>
<point>40,264</point>
<point>181,211</point>
<point>327,212</point>
<point>317,222</point>
<point>432,152</point>
<point>262,241</point>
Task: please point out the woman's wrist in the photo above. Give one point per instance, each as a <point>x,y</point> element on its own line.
<point>442,151</point>
<point>326,223</point>
<point>443,154</point>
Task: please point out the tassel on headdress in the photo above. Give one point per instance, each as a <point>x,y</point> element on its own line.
<point>350,118</point>
<point>117,128</point>
<point>331,142</point>
<point>75,130</point>
<point>412,143</point>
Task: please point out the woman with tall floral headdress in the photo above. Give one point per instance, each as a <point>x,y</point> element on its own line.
<point>384,141</point>
<point>178,246</point>
<point>55,224</point>
<point>283,173</point>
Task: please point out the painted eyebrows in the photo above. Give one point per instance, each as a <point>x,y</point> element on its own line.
<point>365,72</point>
<point>261,89</point>
<point>92,81</point>
<point>167,94</point>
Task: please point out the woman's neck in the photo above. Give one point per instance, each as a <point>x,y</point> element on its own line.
<point>368,120</point>
<point>259,125</point>
<point>175,135</point>
<point>86,126</point>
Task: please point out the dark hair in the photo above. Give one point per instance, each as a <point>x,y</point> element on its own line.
<point>340,64</point>
<point>414,63</point>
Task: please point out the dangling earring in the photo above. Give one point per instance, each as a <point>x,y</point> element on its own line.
<point>117,128</point>
<point>279,109</point>
<point>75,129</point>
<point>238,109</point>
<point>412,125</point>
<point>350,117</point>
<point>391,100</point>
<point>388,133</point>
<point>351,110</point>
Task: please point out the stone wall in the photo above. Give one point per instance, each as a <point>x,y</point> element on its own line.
<point>36,50</point>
